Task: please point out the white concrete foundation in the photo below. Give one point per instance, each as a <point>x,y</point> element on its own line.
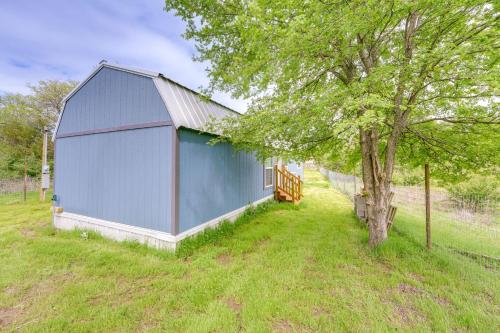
<point>153,238</point>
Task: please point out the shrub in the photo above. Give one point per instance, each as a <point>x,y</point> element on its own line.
<point>406,177</point>
<point>477,193</point>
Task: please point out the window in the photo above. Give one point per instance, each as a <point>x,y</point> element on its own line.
<point>268,172</point>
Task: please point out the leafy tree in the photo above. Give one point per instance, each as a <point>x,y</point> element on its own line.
<point>18,134</point>
<point>47,97</point>
<point>373,81</point>
<point>23,119</point>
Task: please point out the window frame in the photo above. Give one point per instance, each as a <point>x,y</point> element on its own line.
<point>265,168</point>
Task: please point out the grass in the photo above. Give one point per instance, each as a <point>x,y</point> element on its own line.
<point>447,231</point>
<point>281,268</point>
<point>227,228</point>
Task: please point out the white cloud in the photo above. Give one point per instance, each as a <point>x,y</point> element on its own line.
<point>58,39</point>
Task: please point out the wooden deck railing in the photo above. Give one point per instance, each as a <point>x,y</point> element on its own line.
<point>287,184</point>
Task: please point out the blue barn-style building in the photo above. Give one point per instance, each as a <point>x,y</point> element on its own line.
<point>132,160</point>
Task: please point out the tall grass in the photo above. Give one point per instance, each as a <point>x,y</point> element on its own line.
<point>227,228</point>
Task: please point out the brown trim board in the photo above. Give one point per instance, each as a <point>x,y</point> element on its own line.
<point>174,221</point>
<point>116,129</point>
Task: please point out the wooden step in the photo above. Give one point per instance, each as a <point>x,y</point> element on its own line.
<point>288,185</point>
<point>285,197</point>
<point>282,196</point>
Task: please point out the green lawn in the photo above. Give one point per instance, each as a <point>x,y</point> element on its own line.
<point>286,269</point>
<point>447,231</point>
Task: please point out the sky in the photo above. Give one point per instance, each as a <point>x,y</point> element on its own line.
<point>65,40</point>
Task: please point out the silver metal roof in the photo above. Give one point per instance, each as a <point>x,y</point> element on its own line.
<point>187,107</point>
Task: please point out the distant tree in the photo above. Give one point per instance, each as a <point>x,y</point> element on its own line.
<point>369,80</point>
<point>47,97</point>
<point>23,118</point>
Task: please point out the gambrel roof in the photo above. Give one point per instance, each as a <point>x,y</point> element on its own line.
<point>187,108</point>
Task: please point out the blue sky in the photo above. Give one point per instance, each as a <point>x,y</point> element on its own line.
<point>57,39</point>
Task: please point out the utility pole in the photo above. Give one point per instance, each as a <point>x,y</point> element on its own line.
<point>44,184</point>
<point>427,207</point>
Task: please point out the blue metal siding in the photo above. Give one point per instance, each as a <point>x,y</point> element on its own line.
<point>214,180</point>
<point>113,98</point>
<point>296,168</point>
<point>123,177</point>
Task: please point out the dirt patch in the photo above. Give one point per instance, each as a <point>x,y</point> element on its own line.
<point>95,300</point>
<point>28,233</point>
<point>8,316</point>
<point>386,267</point>
<point>404,288</point>
<point>311,273</point>
<point>38,290</point>
<point>11,291</point>
<point>261,243</point>
<point>352,269</point>
<point>311,261</point>
<point>282,326</point>
<point>233,304</point>
<point>441,300</point>
<point>236,306</point>
<point>224,259</point>
<point>43,223</point>
<point>489,296</point>
<point>147,323</point>
<point>312,270</point>
<point>407,314</point>
<point>416,277</point>
<point>48,286</point>
<point>319,311</point>
<point>407,289</point>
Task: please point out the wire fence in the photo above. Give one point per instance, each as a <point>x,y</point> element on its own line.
<point>9,186</point>
<point>466,225</point>
<point>474,209</point>
<point>347,184</point>
<point>13,189</point>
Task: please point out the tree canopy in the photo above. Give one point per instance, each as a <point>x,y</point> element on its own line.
<point>23,118</point>
<point>311,66</point>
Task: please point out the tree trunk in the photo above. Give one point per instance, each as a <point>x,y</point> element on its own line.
<point>376,187</point>
<point>377,178</point>
<point>377,217</point>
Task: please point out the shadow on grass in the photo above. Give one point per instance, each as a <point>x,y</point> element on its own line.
<point>227,228</point>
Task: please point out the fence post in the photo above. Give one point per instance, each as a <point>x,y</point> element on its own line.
<point>25,186</point>
<point>427,207</point>
<point>354,178</point>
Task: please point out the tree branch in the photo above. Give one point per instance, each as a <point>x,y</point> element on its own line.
<point>457,121</point>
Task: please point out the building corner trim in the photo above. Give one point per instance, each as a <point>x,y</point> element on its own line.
<point>174,208</point>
